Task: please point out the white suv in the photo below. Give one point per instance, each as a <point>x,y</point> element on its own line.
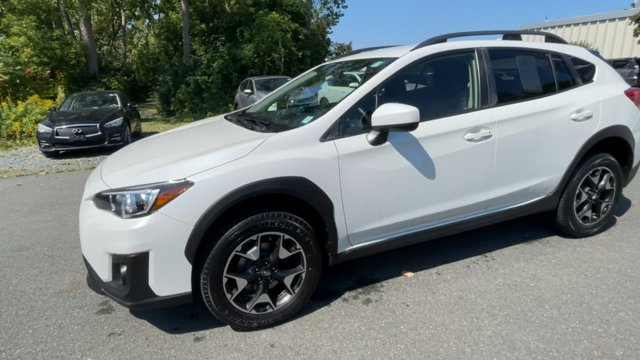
<point>244,210</point>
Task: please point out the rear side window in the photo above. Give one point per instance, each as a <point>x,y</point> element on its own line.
<point>521,75</point>
<point>585,69</point>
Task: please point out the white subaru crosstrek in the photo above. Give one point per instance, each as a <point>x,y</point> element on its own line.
<point>244,210</point>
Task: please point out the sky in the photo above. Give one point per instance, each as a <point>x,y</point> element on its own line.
<point>369,23</point>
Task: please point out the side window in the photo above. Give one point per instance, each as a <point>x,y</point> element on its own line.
<point>563,75</point>
<point>521,75</point>
<point>438,86</point>
<point>585,69</point>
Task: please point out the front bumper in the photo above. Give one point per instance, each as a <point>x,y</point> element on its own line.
<point>130,284</point>
<point>150,247</point>
<point>105,138</point>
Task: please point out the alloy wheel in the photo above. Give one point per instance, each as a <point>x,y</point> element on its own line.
<point>595,195</point>
<point>264,273</point>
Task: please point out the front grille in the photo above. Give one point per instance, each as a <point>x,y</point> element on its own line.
<point>81,130</point>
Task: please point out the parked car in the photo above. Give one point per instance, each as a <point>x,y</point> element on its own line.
<point>89,119</point>
<point>255,88</point>
<point>336,88</point>
<point>628,68</point>
<point>243,210</point>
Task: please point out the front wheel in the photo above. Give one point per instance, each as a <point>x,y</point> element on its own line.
<point>587,204</point>
<point>126,135</point>
<point>262,271</point>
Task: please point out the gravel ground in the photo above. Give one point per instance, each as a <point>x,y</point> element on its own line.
<point>29,161</point>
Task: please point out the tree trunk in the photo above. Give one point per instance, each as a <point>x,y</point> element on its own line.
<point>65,15</point>
<point>87,37</point>
<point>123,22</point>
<point>186,39</point>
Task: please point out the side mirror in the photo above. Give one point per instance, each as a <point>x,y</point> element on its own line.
<point>354,85</point>
<point>392,117</point>
<point>51,109</point>
<point>247,91</point>
<point>132,105</point>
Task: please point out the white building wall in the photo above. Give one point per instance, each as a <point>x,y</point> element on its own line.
<point>611,34</point>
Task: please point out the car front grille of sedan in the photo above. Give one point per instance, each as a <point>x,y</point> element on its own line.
<point>72,131</point>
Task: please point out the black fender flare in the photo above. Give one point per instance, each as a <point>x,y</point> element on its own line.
<point>298,187</point>
<point>615,131</point>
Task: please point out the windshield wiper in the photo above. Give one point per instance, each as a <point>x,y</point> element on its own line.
<point>250,122</point>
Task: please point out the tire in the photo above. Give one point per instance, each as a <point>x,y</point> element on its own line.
<point>126,135</point>
<point>588,202</point>
<point>324,101</point>
<point>250,289</point>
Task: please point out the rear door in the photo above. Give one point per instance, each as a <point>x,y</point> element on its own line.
<point>544,114</point>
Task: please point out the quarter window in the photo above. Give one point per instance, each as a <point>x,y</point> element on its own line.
<point>585,69</point>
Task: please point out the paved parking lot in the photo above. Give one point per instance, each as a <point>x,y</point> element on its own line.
<point>510,291</point>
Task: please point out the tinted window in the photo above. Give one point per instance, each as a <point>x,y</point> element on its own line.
<point>563,75</point>
<point>521,75</point>
<point>585,69</point>
<point>438,87</point>
<point>270,84</point>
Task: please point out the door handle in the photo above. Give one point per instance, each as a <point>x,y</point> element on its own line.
<point>477,135</point>
<point>581,115</point>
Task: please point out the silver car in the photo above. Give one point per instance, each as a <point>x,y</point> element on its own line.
<point>255,88</point>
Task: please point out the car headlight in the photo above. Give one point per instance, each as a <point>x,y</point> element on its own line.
<point>140,200</point>
<point>115,123</point>
<point>43,129</point>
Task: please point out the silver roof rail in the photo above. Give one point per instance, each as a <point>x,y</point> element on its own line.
<point>506,35</point>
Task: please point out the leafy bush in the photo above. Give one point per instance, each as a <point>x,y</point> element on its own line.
<point>19,120</point>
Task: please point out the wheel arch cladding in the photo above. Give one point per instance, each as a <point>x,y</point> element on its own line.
<point>299,194</point>
<point>615,140</point>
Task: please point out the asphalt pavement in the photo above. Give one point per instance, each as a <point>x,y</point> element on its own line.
<point>510,291</point>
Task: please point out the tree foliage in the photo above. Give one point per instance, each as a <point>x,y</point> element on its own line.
<point>140,47</point>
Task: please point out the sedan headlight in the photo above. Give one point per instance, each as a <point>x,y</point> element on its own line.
<point>114,123</point>
<point>43,129</point>
<point>140,200</point>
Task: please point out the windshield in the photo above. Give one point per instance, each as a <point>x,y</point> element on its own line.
<point>90,101</point>
<point>305,99</point>
<point>270,84</point>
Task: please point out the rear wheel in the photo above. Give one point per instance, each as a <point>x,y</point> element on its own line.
<point>262,271</point>
<point>587,204</point>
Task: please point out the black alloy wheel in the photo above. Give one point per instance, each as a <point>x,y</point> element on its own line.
<point>262,271</point>
<point>588,202</point>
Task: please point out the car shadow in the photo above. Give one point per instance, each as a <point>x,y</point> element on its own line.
<point>84,153</point>
<point>358,279</point>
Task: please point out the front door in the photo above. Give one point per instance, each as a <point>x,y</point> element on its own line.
<point>440,172</point>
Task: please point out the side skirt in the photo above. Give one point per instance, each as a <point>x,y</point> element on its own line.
<point>538,206</point>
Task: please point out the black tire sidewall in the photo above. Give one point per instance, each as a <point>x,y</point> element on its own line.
<point>212,271</point>
<point>566,219</point>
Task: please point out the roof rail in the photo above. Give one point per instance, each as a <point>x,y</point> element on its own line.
<point>363,50</point>
<point>506,35</point>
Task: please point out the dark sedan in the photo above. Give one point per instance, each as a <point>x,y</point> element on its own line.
<point>89,120</point>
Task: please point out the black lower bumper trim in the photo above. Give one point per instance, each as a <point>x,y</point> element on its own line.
<point>132,290</point>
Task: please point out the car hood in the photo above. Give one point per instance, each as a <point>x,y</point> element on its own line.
<point>180,153</point>
<point>84,116</point>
